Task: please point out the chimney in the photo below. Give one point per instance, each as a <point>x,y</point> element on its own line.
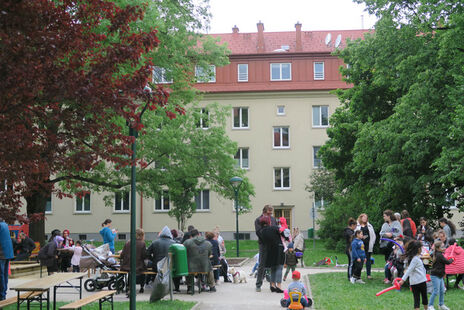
<point>260,46</point>
<point>298,44</point>
<point>235,29</point>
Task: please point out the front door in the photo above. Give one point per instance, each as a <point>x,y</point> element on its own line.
<point>286,213</point>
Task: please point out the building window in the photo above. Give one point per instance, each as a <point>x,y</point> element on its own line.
<point>206,75</point>
<point>281,137</point>
<point>241,158</point>
<point>317,162</point>
<point>122,202</point>
<point>203,121</point>
<point>319,203</point>
<point>48,205</point>
<point>281,72</point>
<point>280,110</point>
<point>321,116</point>
<point>281,178</point>
<point>319,70</point>
<point>161,76</point>
<point>83,204</point>
<point>202,200</point>
<point>240,118</point>
<point>162,202</point>
<point>242,70</point>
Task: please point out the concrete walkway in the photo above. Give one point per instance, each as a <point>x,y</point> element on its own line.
<point>228,295</point>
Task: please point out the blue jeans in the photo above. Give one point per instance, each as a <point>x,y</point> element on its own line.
<point>255,267</point>
<point>438,289</point>
<point>4,263</point>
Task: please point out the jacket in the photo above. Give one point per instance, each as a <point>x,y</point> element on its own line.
<point>108,237</point>
<point>394,228</point>
<point>438,268</point>
<point>198,252</point>
<point>274,248</point>
<point>258,226</point>
<point>140,255</point>
<point>348,235</point>
<point>159,248</point>
<point>372,236</point>
<point>415,271</point>
<point>298,242</point>
<point>412,226</point>
<point>6,245</point>
<point>458,266</point>
<point>357,249</point>
<point>47,254</point>
<point>215,251</point>
<point>290,258</point>
<point>26,246</point>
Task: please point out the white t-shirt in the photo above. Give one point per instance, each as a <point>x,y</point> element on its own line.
<point>76,258</point>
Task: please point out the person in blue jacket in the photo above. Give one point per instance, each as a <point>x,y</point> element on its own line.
<point>108,234</point>
<point>358,255</point>
<point>6,253</point>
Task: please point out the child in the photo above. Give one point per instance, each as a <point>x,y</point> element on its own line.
<point>290,260</point>
<point>358,257</point>
<point>255,267</point>
<point>416,273</point>
<point>348,233</point>
<point>437,273</point>
<point>395,266</point>
<point>296,286</point>
<point>76,258</point>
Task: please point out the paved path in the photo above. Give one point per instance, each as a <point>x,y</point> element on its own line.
<point>228,296</point>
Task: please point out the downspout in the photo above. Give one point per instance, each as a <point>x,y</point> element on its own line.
<point>141,210</point>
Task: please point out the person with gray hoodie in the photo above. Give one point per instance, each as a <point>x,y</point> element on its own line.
<point>158,250</point>
<point>390,230</point>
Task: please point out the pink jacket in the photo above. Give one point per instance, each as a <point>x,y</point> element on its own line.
<point>456,267</point>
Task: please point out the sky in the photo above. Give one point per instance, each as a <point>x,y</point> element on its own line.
<point>282,15</point>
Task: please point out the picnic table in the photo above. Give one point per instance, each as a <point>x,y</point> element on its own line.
<point>54,281</point>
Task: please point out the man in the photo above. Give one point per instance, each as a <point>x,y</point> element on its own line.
<point>24,247</point>
<point>6,253</point>
<point>267,211</point>
<point>198,253</point>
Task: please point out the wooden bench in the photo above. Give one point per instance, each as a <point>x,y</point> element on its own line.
<point>12,300</point>
<point>103,296</point>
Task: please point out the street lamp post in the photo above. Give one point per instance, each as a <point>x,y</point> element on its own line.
<point>236,182</point>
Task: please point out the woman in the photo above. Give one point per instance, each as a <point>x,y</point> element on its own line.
<point>140,255</point>
<point>271,239</point>
<point>211,238</point>
<point>48,255</point>
<point>408,225</point>
<point>425,232</point>
<point>442,237</point>
<point>108,234</point>
<point>348,233</point>
<point>298,242</point>
<point>368,239</point>
<point>448,227</point>
<point>66,255</point>
<point>390,230</point>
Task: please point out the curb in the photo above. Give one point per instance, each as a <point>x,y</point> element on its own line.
<point>197,306</point>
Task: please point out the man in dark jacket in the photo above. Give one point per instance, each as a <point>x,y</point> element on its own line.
<point>24,247</point>
<point>6,253</point>
<point>267,211</point>
<point>159,248</point>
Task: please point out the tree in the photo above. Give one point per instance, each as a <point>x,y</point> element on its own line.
<point>71,68</point>
<point>394,141</point>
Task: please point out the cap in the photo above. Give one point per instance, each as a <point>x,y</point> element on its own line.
<point>296,275</point>
<point>290,245</point>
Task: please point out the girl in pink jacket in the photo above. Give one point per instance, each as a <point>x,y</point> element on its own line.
<point>458,266</point>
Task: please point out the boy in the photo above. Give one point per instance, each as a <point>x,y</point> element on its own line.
<point>290,260</point>
<point>296,286</point>
<point>358,257</point>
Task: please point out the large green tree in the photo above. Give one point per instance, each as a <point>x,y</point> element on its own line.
<point>394,142</point>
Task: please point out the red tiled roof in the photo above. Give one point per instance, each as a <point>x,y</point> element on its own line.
<point>312,41</point>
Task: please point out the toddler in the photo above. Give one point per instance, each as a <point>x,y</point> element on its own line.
<point>76,258</point>
<point>290,260</point>
<point>358,257</point>
<point>296,286</point>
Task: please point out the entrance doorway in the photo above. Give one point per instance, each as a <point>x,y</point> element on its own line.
<point>286,213</point>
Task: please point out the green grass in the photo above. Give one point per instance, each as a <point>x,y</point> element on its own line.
<point>141,305</point>
<point>332,291</point>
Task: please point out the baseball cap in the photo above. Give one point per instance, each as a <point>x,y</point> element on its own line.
<point>296,275</point>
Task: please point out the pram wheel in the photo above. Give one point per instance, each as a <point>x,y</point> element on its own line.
<point>90,285</point>
<point>116,284</point>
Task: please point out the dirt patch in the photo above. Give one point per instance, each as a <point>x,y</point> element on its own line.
<point>237,261</point>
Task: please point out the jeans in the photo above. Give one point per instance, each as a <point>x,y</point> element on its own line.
<point>276,273</point>
<point>288,269</point>
<point>350,264</point>
<point>438,289</point>
<point>255,267</point>
<point>368,263</point>
<point>357,268</point>
<point>4,263</point>
<point>261,268</point>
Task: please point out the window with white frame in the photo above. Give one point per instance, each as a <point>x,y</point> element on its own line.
<point>161,76</point>
<point>48,205</point>
<point>122,202</point>
<point>203,121</point>
<point>281,178</point>
<point>83,203</point>
<point>320,116</point>
<point>319,202</point>
<point>241,158</point>
<point>206,75</point>
<point>319,70</point>
<point>317,162</point>
<point>281,137</point>
<point>280,110</point>
<point>240,117</point>
<point>281,72</point>
<point>162,202</point>
<point>242,70</point>
<point>202,200</point>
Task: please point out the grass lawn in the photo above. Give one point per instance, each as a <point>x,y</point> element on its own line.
<point>141,305</point>
<point>332,291</point>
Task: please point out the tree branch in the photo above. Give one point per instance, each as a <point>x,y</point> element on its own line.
<point>89,180</point>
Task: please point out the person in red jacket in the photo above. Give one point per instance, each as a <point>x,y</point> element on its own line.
<point>405,216</point>
<point>458,267</point>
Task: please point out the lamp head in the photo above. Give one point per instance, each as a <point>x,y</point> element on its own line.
<point>236,182</point>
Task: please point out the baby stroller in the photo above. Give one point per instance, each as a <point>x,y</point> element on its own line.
<point>99,258</point>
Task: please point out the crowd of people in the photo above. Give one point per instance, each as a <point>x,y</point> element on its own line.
<point>411,251</point>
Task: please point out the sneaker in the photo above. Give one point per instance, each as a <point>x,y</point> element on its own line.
<point>386,281</point>
<point>352,280</point>
<point>360,281</point>
<point>258,289</point>
<point>212,289</point>
<point>443,307</point>
<point>431,308</point>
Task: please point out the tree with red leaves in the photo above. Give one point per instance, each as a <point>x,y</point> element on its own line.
<point>73,74</point>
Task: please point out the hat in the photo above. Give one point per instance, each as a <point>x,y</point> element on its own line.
<point>290,245</point>
<point>296,275</point>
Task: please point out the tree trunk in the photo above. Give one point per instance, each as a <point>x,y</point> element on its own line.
<point>36,204</point>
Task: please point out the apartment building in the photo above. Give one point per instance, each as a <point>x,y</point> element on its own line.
<point>279,87</point>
